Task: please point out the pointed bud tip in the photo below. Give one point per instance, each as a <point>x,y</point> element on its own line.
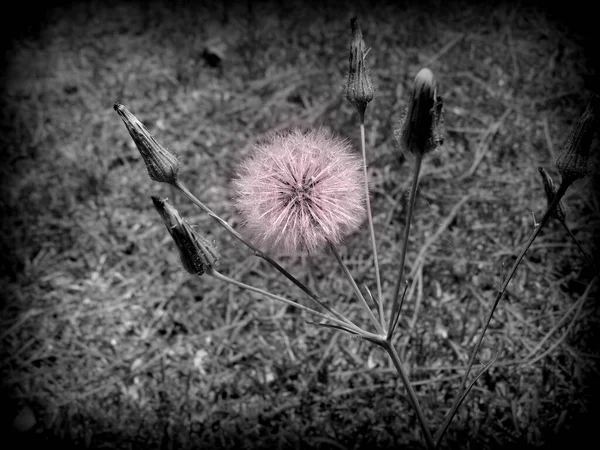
<point>422,125</point>
<point>168,213</point>
<point>425,76</point>
<point>425,81</point>
<point>162,165</point>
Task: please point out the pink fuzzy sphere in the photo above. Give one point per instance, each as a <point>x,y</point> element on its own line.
<point>300,191</point>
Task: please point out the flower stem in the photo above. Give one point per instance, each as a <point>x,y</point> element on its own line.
<point>347,326</point>
<point>583,252</point>
<point>559,194</point>
<point>359,294</point>
<point>412,396</point>
<point>411,201</point>
<point>370,216</point>
<point>179,185</point>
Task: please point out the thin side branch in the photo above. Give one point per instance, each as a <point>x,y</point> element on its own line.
<point>559,194</point>
<point>359,294</point>
<point>354,329</point>
<point>411,202</point>
<point>371,226</point>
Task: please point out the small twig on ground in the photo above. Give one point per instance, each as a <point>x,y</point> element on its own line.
<point>577,307</point>
<point>445,49</point>
<point>445,223</point>
<point>484,146</point>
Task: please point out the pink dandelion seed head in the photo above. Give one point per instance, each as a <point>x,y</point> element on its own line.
<point>299,191</point>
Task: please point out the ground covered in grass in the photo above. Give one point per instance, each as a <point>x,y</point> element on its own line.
<point>106,342</point>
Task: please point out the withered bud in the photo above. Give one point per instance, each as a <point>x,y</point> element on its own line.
<point>421,126</point>
<point>550,190</point>
<point>359,89</point>
<point>198,254</point>
<point>573,161</point>
<point>162,165</point>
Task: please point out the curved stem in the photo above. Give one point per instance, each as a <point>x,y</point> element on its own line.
<point>370,217</point>
<point>412,396</point>
<point>411,202</point>
<point>559,194</point>
<point>583,252</point>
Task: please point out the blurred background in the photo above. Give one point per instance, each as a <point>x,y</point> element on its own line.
<point>106,342</point>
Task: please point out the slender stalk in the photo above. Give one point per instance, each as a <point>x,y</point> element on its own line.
<point>370,216</point>
<point>259,253</point>
<point>359,294</point>
<point>583,252</point>
<point>350,327</point>
<point>412,396</point>
<point>395,323</point>
<point>411,201</point>
<point>559,194</point>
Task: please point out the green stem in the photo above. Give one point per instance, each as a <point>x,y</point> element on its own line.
<point>370,217</point>
<point>559,194</point>
<point>359,294</point>
<point>412,396</point>
<point>411,201</point>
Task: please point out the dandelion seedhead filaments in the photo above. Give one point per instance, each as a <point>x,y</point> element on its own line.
<point>300,191</point>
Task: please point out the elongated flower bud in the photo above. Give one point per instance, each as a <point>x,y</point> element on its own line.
<point>359,89</point>
<point>198,254</point>
<point>421,127</point>
<point>573,161</point>
<point>550,190</point>
<point>162,165</point>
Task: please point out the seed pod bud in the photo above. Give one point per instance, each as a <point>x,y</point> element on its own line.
<point>198,254</point>
<point>573,161</point>
<point>162,165</point>
<point>359,89</point>
<point>550,190</point>
<point>421,126</point>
